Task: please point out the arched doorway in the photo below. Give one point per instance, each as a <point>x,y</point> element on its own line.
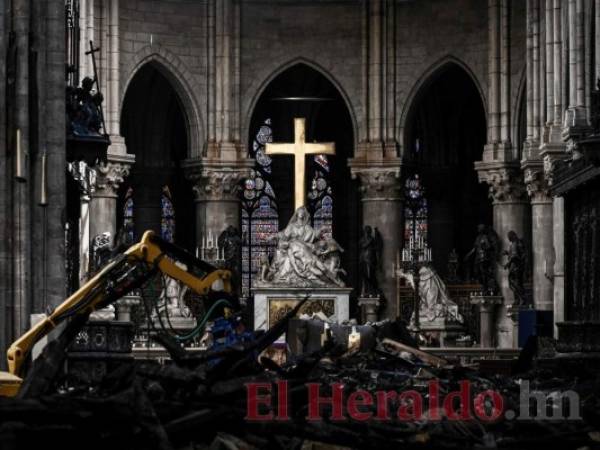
<point>445,135</point>
<point>157,195</point>
<point>268,197</point>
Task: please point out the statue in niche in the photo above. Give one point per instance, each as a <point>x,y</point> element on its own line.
<point>435,302</point>
<point>370,253</point>
<point>302,259</point>
<point>516,266</point>
<point>230,241</point>
<point>485,251</point>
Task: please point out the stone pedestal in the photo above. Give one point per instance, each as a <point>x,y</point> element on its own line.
<point>272,303</point>
<point>123,307</point>
<point>442,330</point>
<point>369,307</point>
<point>513,312</point>
<point>487,306</point>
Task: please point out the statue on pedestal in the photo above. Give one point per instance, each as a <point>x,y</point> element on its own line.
<point>370,254</point>
<point>516,266</point>
<point>303,258</point>
<point>485,250</point>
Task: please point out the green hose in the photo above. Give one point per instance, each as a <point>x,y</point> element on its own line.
<point>200,326</point>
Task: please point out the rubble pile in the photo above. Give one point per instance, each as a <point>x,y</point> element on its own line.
<point>201,401</point>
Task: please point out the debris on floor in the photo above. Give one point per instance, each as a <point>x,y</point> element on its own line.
<point>389,396</point>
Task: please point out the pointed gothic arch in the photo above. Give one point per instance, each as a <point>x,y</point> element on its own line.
<point>428,76</point>
<point>299,61</point>
<point>181,79</point>
<point>300,90</point>
<point>156,129</point>
<point>444,134</point>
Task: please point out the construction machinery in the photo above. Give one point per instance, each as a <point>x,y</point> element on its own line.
<point>125,272</point>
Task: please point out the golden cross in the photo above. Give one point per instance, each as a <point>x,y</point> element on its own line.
<point>300,148</point>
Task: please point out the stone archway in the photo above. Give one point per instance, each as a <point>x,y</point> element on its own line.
<point>156,129</point>
<point>444,134</point>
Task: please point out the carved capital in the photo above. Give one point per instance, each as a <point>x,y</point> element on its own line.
<point>379,183</point>
<point>505,181</point>
<point>551,154</point>
<point>536,183</point>
<point>109,176</point>
<point>217,180</point>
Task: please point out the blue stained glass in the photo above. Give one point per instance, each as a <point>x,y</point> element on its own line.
<point>128,216</point>
<point>260,220</point>
<point>416,211</point>
<point>322,161</point>
<point>167,222</point>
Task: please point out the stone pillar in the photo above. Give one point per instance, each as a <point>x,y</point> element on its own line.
<point>103,201</point>
<point>541,237</point>
<point>575,123</point>
<point>216,187</point>
<point>559,261</point>
<point>494,59</point>
<point>375,71</point>
<point>511,212</point>
<point>383,208</point>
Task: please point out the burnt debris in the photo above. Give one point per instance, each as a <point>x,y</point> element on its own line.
<point>389,395</point>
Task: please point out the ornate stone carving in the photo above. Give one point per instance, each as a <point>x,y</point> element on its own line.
<point>217,183</point>
<point>304,257</point>
<point>109,177</point>
<point>505,182</point>
<point>379,183</point>
<point>536,183</point>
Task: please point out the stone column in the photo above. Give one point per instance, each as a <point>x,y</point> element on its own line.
<point>559,261</point>
<point>541,236</point>
<point>375,71</point>
<point>575,123</point>
<point>511,212</point>
<point>103,201</point>
<point>494,59</point>
<point>216,186</point>
<point>383,208</point>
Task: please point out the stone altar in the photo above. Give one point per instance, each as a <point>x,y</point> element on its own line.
<point>272,303</point>
<point>306,264</point>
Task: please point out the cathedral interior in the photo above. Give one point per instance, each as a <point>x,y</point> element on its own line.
<point>207,201</point>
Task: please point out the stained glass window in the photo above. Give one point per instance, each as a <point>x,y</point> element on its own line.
<point>260,222</point>
<point>167,217</point>
<point>128,228</point>
<point>415,210</point>
<point>320,198</point>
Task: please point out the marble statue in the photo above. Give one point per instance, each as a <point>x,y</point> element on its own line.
<point>516,266</point>
<point>435,302</point>
<point>369,248</point>
<point>303,258</point>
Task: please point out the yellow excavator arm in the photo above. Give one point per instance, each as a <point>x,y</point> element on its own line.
<point>151,253</point>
